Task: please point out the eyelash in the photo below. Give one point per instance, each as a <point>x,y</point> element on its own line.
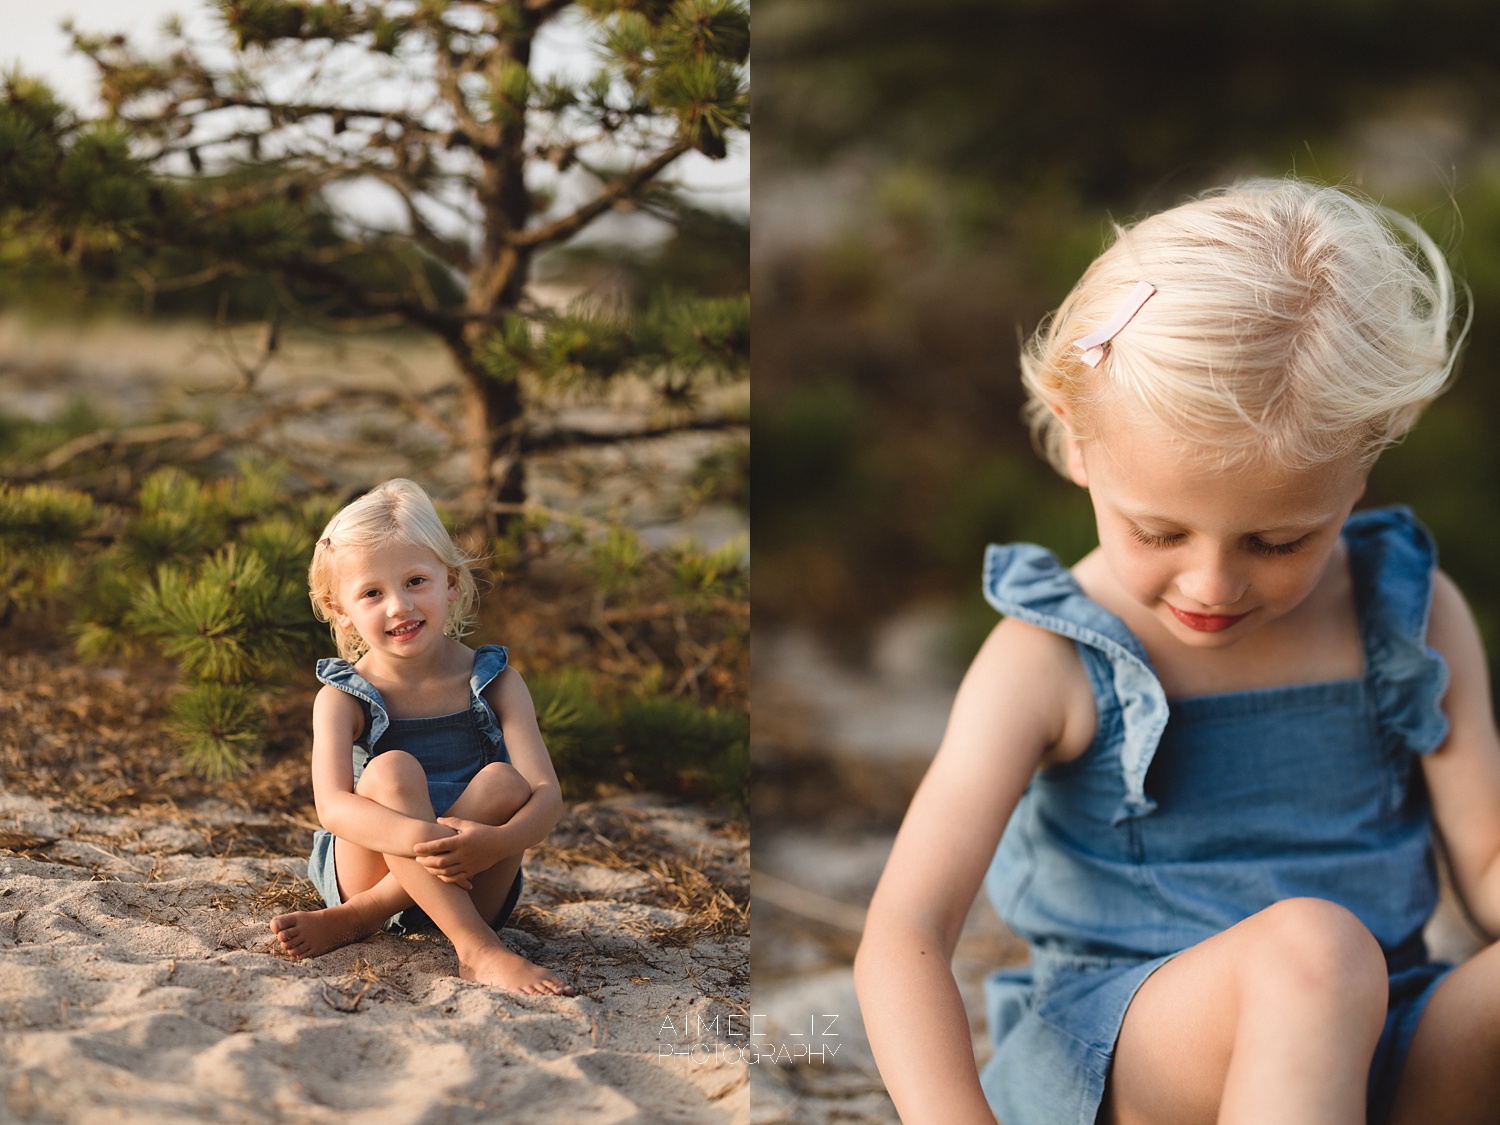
<point>1260,547</point>
<point>375,593</point>
<point>1141,535</point>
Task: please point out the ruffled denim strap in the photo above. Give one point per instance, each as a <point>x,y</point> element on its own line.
<point>339,673</point>
<point>1392,560</point>
<point>1025,581</point>
<point>489,662</point>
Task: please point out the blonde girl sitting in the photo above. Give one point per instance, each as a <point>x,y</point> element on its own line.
<point>1219,746</point>
<point>429,772</point>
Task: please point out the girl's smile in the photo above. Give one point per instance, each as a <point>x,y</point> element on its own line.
<point>394,595</point>
<point>1207,622</point>
<point>1211,553</point>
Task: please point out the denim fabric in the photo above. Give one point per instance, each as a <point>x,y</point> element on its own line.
<point>1186,817</point>
<point>451,748</point>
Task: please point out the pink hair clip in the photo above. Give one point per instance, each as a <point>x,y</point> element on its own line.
<point>1092,345</point>
<point>327,540</point>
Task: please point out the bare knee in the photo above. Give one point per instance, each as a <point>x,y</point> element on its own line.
<point>501,790</point>
<point>1315,950</point>
<point>391,774</point>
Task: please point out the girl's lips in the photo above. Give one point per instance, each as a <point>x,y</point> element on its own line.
<point>1206,622</point>
<point>411,629</point>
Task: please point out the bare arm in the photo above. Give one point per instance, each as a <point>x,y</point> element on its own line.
<point>479,845</point>
<point>1463,775</point>
<point>528,754</point>
<point>337,721</point>
<point>1026,696</point>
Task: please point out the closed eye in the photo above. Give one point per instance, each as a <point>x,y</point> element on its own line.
<point>1141,535</point>
<point>1261,547</point>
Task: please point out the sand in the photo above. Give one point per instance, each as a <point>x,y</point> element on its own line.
<point>139,982</point>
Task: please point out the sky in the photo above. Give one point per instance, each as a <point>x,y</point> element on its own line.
<point>31,35</point>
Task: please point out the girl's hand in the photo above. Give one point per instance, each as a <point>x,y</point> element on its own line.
<point>458,858</point>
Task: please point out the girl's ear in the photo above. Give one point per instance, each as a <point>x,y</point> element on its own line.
<point>1077,472</point>
<point>1072,450</point>
<point>336,613</point>
<point>452,583</point>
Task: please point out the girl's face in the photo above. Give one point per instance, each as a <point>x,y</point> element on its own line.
<point>396,598</point>
<point>1213,553</point>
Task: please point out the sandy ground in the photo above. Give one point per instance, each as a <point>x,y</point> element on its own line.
<point>139,983</point>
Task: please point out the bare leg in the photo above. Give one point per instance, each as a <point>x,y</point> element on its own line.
<point>1452,1075</point>
<point>494,796</point>
<point>370,892</point>
<point>1275,1019</point>
<point>312,933</point>
<point>383,884</point>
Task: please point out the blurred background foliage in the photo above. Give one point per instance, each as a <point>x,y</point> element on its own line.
<point>635,654</point>
<point>931,179</point>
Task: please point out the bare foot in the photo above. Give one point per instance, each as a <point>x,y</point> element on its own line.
<point>499,966</point>
<point>312,933</point>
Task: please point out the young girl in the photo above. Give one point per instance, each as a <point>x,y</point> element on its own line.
<point>429,772</point>
<point>1219,745</point>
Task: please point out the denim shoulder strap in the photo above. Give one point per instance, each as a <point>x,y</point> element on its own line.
<point>1025,581</point>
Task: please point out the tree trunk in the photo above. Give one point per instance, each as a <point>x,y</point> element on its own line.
<point>495,410</point>
<point>494,420</point>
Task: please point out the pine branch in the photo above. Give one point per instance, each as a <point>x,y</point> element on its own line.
<point>617,191</point>
<point>112,440</point>
<point>446,325</point>
<point>446,250</point>
<point>571,438</point>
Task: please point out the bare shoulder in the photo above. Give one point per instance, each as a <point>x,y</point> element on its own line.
<point>1463,774</point>
<point>1029,686</point>
<point>336,712</point>
<point>1024,702</point>
<point>1453,634</point>
<point>507,693</point>
<point>1449,606</point>
<point>1040,675</point>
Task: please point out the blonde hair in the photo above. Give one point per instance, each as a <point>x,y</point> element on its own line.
<point>396,512</point>
<point>1292,323</point>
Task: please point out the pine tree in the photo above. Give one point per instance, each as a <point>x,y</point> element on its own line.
<point>201,171</point>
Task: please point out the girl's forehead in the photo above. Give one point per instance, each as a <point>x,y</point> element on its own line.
<point>385,558</point>
<point>1149,476</point>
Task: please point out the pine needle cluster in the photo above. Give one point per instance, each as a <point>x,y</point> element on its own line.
<point>208,574</point>
<point>685,606</point>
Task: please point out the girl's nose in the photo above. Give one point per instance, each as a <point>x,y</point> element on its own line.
<point>1212,582</point>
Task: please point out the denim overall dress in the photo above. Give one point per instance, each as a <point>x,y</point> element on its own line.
<point>1185,817</point>
<point>451,748</point>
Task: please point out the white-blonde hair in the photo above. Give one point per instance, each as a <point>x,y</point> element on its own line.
<point>1292,323</point>
<point>396,512</point>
